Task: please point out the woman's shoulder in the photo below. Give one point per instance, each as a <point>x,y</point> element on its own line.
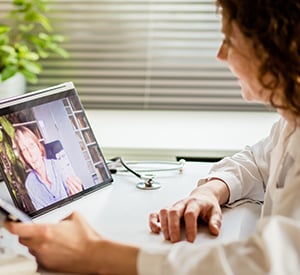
<point>281,126</point>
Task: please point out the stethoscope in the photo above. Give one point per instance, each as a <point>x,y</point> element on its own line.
<point>148,182</point>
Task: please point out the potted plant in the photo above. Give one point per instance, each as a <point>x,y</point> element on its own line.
<point>26,39</point>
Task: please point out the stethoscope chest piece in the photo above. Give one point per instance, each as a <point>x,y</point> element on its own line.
<point>148,185</point>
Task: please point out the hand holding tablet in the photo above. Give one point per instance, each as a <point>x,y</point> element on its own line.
<point>12,213</point>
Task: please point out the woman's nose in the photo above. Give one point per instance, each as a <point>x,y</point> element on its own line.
<point>222,52</point>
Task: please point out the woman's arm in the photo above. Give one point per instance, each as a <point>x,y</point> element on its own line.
<point>73,246</point>
<point>243,175</point>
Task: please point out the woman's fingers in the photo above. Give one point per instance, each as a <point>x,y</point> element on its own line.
<point>175,214</point>
<point>215,221</point>
<point>191,215</point>
<point>74,184</point>
<point>168,221</point>
<point>154,223</point>
<point>164,223</point>
<point>25,230</point>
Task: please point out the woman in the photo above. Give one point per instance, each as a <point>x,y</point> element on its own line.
<point>262,48</point>
<point>45,183</point>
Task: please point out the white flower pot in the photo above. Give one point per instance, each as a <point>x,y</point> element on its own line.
<point>13,86</point>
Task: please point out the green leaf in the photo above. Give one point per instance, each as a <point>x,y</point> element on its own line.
<point>40,19</point>
<point>11,61</point>
<point>1,136</point>
<point>58,38</point>
<point>26,27</point>
<point>45,22</point>
<point>10,152</point>
<point>32,56</point>
<point>44,36</point>
<point>32,67</point>
<point>4,29</point>
<point>8,72</point>
<point>30,77</point>
<point>3,40</point>
<point>19,2</point>
<point>25,53</point>
<point>42,53</point>
<point>8,49</point>
<point>7,126</point>
<point>22,49</point>
<point>60,51</point>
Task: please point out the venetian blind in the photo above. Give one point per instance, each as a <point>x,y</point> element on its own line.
<point>142,54</point>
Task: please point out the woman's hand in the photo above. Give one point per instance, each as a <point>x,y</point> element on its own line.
<point>73,246</point>
<point>66,246</point>
<point>74,184</point>
<point>204,203</point>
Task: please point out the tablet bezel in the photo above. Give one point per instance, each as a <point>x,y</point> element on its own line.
<point>29,100</point>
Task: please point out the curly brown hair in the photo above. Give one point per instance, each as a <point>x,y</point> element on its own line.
<point>274,28</point>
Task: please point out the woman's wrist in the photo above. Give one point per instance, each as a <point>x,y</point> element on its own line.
<point>109,252</point>
<point>215,186</point>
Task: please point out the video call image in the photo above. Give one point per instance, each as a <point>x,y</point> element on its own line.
<point>49,153</point>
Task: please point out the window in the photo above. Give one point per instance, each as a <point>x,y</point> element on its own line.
<point>143,54</point>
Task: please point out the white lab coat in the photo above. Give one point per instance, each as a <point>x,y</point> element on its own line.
<point>269,171</point>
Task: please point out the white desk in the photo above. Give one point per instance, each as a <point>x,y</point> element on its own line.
<point>140,134</point>
<point>120,211</point>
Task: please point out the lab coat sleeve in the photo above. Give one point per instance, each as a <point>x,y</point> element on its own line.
<point>246,172</point>
<point>273,250</point>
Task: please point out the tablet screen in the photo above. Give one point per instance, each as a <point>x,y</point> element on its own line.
<point>49,155</point>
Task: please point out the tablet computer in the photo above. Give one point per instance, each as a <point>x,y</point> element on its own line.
<point>12,213</point>
<point>49,155</point>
